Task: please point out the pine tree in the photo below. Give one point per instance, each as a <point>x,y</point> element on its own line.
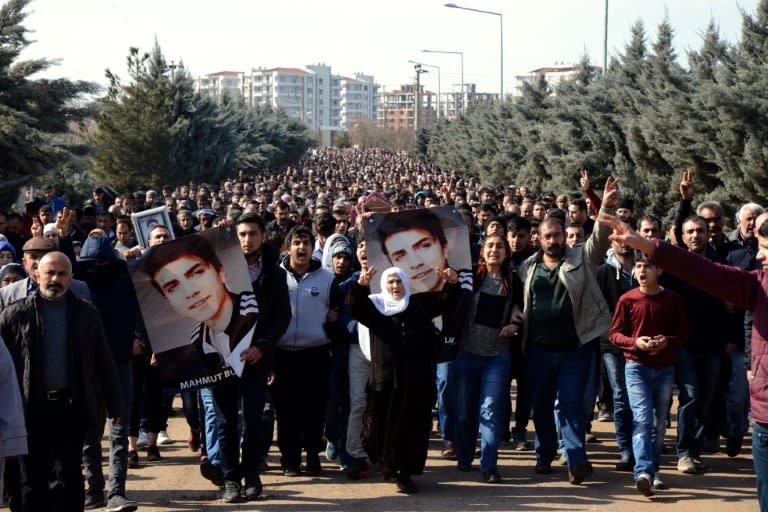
<point>32,112</point>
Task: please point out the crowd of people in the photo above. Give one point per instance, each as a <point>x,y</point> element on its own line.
<point>576,297</point>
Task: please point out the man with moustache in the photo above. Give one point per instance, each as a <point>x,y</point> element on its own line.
<point>67,375</point>
<point>34,249</point>
<point>560,335</point>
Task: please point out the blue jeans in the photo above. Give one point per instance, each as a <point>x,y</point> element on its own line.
<point>622,413</point>
<point>482,388</point>
<point>247,393</point>
<point>590,393</point>
<point>561,375</point>
<point>649,391</point>
<point>446,401</point>
<point>118,443</point>
<point>210,427</point>
<point>337,411</point>
<point>696,376</point>
<point>737,402</point>
<point>760,462</point>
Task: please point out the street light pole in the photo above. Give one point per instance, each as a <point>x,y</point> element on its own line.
<point>438,82</point>
<point>501,35</point>
<point>461,54</point>
<point>605,40</point>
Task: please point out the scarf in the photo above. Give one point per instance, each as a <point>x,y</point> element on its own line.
<point>384,302</point>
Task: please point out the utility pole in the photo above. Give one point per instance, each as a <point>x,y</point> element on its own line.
<point>417,97</point>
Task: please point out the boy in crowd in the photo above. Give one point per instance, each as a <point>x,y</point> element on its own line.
<point>649,323</point>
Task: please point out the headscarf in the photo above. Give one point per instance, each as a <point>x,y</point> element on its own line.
<point>383,301</point>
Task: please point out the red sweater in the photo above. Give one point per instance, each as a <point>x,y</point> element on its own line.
<point>638,314</point>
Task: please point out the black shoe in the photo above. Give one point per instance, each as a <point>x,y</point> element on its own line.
<point>733,446</point>
<point>579,472</point>
<point>405,485</point>
<point>231,492</point>
<point>625,463</point>
<point>358,469</point>
<point>543,468</point>
<point>491,477</point>
<point>212,472</point>
<point>153,453</point>
<point>291,471</point>
<point>313,465</point>
<point>94,500</point>
<point>464,467</point>
<point>133,459</point>
<point>253,486</point>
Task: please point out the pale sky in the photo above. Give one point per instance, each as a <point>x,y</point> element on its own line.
<point>373,37</point>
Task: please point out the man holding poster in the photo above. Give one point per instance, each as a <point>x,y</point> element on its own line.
<point>200,283</point>
<point>191,277</point>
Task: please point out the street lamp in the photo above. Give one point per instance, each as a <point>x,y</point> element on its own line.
<point>438,82</point>
<point>461,54</point>
<point>501,35</point>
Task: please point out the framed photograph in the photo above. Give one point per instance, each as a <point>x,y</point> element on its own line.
<point>143,222</point>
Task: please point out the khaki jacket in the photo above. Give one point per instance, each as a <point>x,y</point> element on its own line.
<point>592,317</point>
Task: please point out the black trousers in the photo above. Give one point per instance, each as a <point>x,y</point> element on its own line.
<point>49,477</point>
<point>300,395</point>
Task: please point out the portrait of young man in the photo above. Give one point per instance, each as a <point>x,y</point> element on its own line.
<point>203,315</point>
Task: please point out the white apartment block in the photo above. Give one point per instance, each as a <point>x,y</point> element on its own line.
<point>327,103</point>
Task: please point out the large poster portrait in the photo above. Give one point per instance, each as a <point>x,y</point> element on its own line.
<point>198,305</point>
<point>419,242</point>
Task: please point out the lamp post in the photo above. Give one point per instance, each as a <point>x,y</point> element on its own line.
<point>501,36</point>
<point>605,40</point>
<point>461,54</point>
<point>438,82</point>
<point>417,97</point>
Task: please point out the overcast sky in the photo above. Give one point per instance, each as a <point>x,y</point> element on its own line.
<point>373,37</point>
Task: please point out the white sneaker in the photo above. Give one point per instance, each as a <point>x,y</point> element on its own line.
<point>659,484</point>
<point>164,438</point>
<point>143,440</point>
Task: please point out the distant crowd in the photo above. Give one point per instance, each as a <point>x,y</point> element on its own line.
<point>596,311</point>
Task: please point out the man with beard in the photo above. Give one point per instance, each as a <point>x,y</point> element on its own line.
<point>34,249</point>
<point>67,377</point>
<point>560,335</point>
<point>698,363</point>
<point>112,293</point>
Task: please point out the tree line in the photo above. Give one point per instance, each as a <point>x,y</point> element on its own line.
<point>645,121</point>
<point>149,130</point>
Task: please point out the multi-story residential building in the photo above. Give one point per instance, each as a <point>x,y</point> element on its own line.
<point>397,108</point>
<point>553,75</point>
<point>326,102</point>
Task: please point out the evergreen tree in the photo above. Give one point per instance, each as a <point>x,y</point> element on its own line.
<point>32,112</point>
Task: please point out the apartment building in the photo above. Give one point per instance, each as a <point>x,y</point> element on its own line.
<point>325,101</point>
<point>397,108</point>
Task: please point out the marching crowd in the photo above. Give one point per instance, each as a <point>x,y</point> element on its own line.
<point>592,308</point>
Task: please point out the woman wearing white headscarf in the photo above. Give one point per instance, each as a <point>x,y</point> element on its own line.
<point>398,417</point>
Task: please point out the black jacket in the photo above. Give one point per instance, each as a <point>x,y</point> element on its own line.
<point>92,374</point>
<point>271,289</point>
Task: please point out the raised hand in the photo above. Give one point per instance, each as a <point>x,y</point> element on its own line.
<point>686,186</point>
<point>624,234</point>
<point>611,193</point>
<point>366,276</point>
<point>584,181</point>
<point>448,274</point>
